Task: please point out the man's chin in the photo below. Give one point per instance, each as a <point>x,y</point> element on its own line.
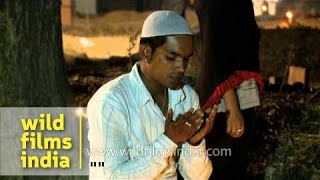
<point>176,86</point>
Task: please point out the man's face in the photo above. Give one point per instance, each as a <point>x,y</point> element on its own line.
<point>169,61</point>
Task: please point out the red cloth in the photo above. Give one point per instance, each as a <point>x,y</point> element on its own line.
<point>232,82</point>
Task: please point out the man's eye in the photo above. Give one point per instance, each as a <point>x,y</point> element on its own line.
<point>170,58</point>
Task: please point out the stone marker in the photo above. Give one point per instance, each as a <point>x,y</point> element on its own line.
<point>297,74</point>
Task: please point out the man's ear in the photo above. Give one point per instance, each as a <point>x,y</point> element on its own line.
<point>145,52</point>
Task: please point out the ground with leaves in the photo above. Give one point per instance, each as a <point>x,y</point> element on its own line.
<point>288,131</point>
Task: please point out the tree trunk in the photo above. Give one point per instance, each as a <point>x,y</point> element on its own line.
<point>178,6</point>
<point>155,4</point>
<point>32,70</point>
<point>230,41</point>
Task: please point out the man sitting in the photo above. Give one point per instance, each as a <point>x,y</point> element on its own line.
<point>140,120</point>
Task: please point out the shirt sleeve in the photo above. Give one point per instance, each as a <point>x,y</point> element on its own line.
<point>108,136</point>
<point>194,162</point>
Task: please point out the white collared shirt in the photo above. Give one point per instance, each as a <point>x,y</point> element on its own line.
<point>126,132</point>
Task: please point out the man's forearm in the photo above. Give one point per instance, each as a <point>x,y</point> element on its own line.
<point>231,100</point>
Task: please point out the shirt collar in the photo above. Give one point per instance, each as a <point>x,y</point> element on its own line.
<point>142,94</point>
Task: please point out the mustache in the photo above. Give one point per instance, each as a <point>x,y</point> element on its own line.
<point>177,76</point>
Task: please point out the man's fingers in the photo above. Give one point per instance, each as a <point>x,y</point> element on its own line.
<point>235,132</point>
<point>212,116</point>
<point>188,113</point>
<point>213,112</point>
<point>210,120</point>
<point>239,131</point>
<point>206,128</point>
<point>196,117</point>
<point>228,131</point>
<point>181,119</point>
<point>169,116</point>
<point>203,131</point>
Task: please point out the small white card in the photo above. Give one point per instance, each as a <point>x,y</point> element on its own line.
<point>248,96</point>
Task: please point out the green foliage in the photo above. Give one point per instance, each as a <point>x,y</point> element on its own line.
<point>298,152</point>
<point>310,120</point>
<point>275,47</point>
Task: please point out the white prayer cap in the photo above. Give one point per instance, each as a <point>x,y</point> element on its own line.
<point>164,23</point>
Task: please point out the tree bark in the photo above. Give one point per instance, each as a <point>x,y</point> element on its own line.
<point>230,41</point>
<point>178,6</point>
<point>32,70</point>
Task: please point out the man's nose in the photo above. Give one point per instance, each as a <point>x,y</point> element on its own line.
<point>180,66</point>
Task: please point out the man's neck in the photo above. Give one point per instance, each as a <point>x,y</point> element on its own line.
<point>153,87</point>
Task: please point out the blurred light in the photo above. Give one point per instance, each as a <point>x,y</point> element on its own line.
<point>79,111</point>
<point>289,14</point>
<point>264,8</point>
<point>85,42</point>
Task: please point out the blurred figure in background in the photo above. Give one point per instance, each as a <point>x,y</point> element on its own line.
<point>230,43</point>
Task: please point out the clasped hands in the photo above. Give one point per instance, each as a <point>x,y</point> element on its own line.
<point>190,127</point>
